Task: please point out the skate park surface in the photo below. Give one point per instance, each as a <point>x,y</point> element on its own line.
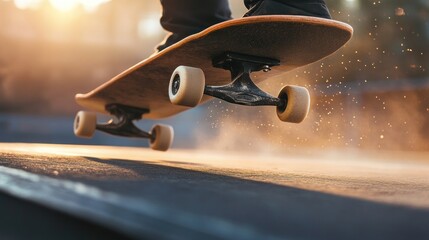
<point>139,193</point>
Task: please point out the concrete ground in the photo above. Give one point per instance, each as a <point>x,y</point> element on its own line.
<point>180,194</point>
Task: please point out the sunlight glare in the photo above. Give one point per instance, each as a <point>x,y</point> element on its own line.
<point>352,3</point>
<point>92,5</point>
<point>69,5</point>
<point>149,26</point>
<point>27,4</point>
<point>64,5</point>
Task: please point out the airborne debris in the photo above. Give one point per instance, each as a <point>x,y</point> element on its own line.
<point>399,12</point>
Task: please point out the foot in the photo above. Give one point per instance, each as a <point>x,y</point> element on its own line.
<point>170,40</point>
<point>312,8</point>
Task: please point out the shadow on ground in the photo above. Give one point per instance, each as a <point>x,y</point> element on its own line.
<point>268,208</point>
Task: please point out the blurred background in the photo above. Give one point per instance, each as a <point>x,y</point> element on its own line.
<point>372,94</point>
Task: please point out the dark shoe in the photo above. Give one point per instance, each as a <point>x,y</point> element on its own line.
<point>312,8</point>
<point>187,17</point>
<point>170,40</point>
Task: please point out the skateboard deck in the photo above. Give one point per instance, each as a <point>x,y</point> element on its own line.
<point>293,40</point>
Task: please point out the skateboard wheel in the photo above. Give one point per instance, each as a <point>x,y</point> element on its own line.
<point>84,124</point>
<point>186,86</point>
<point>162,137</point>
<point>297,104</point>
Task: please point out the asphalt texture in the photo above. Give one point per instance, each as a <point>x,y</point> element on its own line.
<point>140,193</point>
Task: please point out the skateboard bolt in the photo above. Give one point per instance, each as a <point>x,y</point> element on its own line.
<point>176,84</point>
<point>266,68</point>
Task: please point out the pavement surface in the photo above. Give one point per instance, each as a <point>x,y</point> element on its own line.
<point>139,193</point>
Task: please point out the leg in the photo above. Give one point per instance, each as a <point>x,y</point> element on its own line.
<point>185,17</point>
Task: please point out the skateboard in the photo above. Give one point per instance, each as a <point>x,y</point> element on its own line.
<point>224,61</point>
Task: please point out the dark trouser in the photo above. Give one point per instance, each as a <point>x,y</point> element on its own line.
<point>185,17</point>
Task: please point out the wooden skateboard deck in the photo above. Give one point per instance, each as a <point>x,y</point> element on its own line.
<point>293,40</point>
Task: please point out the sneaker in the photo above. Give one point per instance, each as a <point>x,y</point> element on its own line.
<point>170,40</point>
<point>312,8</point>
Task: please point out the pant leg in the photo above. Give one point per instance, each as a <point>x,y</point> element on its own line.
<point>185,17</point>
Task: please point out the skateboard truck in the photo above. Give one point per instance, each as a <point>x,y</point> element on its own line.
<point>160,137</point>
<point>124,126</point>
<point>187,86</point>
<point>242,90</point>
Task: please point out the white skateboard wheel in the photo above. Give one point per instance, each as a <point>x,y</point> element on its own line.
<point>297,104</point>
<point>84,124</point>
<point>186,86</point>
<point>162,137</point>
